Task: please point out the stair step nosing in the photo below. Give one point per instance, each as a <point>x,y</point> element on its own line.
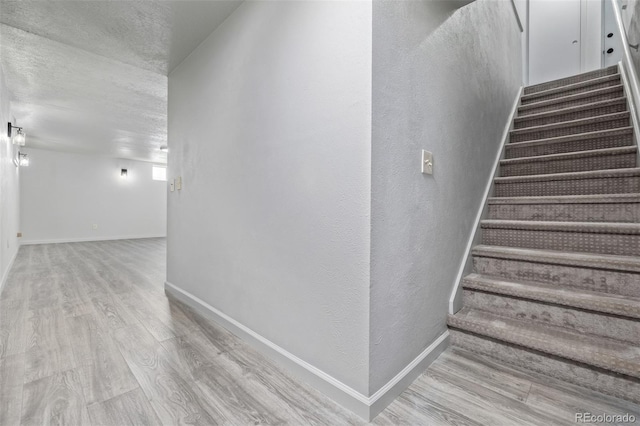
<point>623,150</point>
<point>568,199</point>
<point>568,110</point>
<point>591,174</point>
<point>559,80</point>
<point>600,303</point>
<point>541,338</point>
<point>568,87</point>
<point>614,228</point>
<point>572,97</point>
<point>553,257</point>
<point>573,137</point>
<point>571,123</point>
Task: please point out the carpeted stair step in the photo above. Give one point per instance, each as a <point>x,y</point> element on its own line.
<point>598,314</point>
<point>556,281</point>
<point>599,159</point>
<point>572,89</point>
<point>613,138</point>
<point>607,354</point>
<point>578,373</point>
<point>617,181</point>
<point>571,80</point>
<point>618,275</point>
<point>588,237</point>
<point>583,125</point>
<point>568,208</point>
<point>574,113</point>
<point>568,101</point>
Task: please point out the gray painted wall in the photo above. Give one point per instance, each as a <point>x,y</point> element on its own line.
<point>444,81</point>
<point>9,187</point>
<point>631,19</point>
<point>270,129</point>
<point>63,194</point>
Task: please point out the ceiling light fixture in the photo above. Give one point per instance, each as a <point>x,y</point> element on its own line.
<point>164,148</point>
<point>18,137</point>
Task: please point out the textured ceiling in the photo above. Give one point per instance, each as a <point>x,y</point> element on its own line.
<point>90,76</point>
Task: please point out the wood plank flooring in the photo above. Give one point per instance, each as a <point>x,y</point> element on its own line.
<point>87,336</point>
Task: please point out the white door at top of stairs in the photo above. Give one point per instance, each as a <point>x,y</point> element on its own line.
<point>565,38</point>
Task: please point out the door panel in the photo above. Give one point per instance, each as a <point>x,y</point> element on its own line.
<point>554,39</point>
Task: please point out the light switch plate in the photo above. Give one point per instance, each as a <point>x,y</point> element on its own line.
<point>179,183</point>
<point>427,162</point>
<point>172,185</point>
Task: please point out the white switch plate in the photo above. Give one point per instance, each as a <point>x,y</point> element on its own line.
<point>179,183</point>
<point>427,162</point>
<point>172,185</point>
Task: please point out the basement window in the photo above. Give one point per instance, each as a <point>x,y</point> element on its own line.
<point>159,173</point>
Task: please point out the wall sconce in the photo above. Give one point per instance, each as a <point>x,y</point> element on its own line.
<point>164,148</point>
<point>23,159</point>
<point>18,136</point>
<point>124,173</point>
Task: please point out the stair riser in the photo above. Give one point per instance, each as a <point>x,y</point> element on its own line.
<point>570,80</point>
<point>613,185</point>
<point>539,342</point>
<point>559,118</point>
<point>554,106</point>
<point>611,212</point>
<point>601,85</point>
<point>569,130</point>
<point>599,324</point>
<point>617,244</point>
<point>584,164</point>
<point>616,141</point>
<point>597,280</point>
<point>599,380</point>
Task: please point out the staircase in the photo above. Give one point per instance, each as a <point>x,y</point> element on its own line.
<point>556,281</point>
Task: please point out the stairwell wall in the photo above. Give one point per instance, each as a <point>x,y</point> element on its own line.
<point>443,80</point>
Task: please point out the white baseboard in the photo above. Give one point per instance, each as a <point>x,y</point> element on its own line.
<point>88,239</point>
<point>5,273</point>
<point>455,300</point>
<point>364,406</point>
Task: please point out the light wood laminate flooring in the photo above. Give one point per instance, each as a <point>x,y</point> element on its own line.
<point>87,336</point>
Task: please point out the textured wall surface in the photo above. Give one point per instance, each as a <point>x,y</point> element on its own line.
<point>270,129</point>
<point>63,195</point>
<point>443,81</point>
<point>9,186</point>
<point>631,20</point>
